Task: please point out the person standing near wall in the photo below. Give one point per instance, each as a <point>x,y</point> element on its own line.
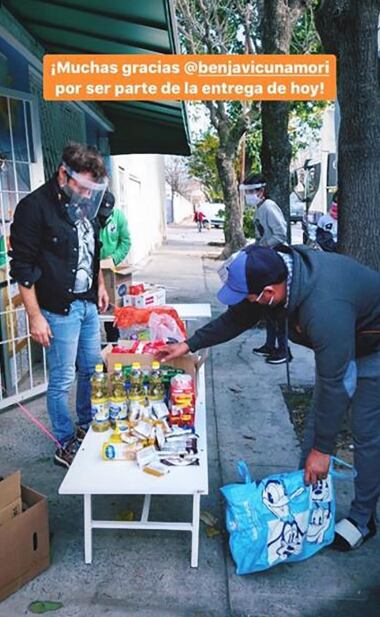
<point>55,252</point>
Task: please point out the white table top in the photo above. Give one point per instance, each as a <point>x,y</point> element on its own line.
<point>90,474</point>
<point>185,311</point>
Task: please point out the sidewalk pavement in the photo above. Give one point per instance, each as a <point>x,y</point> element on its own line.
<point>146,574</point>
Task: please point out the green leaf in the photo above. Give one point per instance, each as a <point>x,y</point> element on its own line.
<point>38,607</point>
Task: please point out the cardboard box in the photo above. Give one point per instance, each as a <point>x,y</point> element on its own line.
<point>10,511</point>
<point>24,540</point>
<point>10,489</point>
<point>190,363</point>
<point>10,497</point>
<point>116,280</point>
<point>152,296</point>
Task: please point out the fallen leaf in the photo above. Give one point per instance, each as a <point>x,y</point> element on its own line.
<point>125,515</point>
<point>211,532</point>
<point>208,518</point>
<point>38,607</point>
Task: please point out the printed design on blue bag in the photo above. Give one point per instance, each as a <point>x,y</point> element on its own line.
<point>276,499</point>
<point>322,490</point>
<point>287,543</point>
<point>320,520</point>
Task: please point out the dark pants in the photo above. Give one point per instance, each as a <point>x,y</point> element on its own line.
<point>276,333</point>
<point>112,333</point>
<point>365,422</point>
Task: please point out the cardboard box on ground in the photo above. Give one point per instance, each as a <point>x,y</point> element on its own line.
<point>24,534</point>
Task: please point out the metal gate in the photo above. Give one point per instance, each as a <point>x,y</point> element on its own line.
<point>22,363</point>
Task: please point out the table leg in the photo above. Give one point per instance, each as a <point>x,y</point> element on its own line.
<point>87,529</point>
<point>146,508</point>
<point>195,530</point>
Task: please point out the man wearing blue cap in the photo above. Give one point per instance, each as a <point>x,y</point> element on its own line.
<point>332,304</point>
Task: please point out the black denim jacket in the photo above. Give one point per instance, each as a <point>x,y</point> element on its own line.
<point>44,249</point>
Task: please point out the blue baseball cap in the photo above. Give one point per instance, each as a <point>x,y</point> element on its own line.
<point>252,269</point>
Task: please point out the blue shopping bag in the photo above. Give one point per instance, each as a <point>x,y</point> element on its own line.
<point>279,519</point>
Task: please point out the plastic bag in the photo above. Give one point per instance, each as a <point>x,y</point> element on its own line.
<point>164,328</point>
<point>279,519</point>
<point>129,316</point>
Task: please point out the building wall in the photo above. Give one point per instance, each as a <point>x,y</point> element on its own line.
<point>179,210</point>
<point>138,182</point>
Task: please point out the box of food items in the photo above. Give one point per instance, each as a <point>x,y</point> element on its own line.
<point>146,410</point>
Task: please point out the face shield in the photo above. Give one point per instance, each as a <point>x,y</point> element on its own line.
<point>83,196</point>
<point>249,193</point>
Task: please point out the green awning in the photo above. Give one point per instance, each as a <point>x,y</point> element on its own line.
<point>115,27</point>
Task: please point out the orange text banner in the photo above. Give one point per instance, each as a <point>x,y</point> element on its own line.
<point>105,77</point>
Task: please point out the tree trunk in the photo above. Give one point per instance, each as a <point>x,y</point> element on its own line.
<point>349,29</point>
<point>278,20</point>
<point>233,231</point>
<point>276,154</point>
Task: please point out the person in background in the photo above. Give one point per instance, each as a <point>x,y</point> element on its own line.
<point>54,254</point>
<point>199,217</point>
<point>270,231</point>
<point>116,243</point>
<point>327,229</point>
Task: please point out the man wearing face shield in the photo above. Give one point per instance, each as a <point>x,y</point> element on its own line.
<point>333,307</point>
<point>55,253</point>
<point>270,230</point>
<point>116,242</point>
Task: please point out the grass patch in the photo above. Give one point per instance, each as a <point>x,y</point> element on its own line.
<point>298,401</point>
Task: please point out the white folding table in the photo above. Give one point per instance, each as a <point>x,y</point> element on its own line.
<point>90,475</point>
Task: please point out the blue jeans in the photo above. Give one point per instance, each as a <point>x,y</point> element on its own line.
<point>76,341</point>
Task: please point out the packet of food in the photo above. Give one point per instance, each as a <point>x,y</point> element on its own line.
<point>146,456</point>
<point>156,469</point>
<point>160,410</point>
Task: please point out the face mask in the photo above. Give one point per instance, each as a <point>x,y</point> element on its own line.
<point>252,200</point>
<point>85,203</point>
<point>260,296</point>
<point>105,212</point>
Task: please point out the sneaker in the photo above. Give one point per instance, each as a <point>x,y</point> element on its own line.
<point>81,433</point>
<point>264,350</point>
<point>64,456</point>
<point>279,357</point>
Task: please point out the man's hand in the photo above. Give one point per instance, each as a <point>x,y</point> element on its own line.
<point>103,299</point>
<point>171,351</point>
<point>40,330</point>
<point>316,467</point>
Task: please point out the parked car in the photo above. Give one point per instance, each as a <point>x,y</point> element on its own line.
<point>214,214</point>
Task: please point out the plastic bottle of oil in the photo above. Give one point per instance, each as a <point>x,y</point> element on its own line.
<point>136,392</point>
<point>156,390</point>
<point>99,400</point>
<point>118,408</point>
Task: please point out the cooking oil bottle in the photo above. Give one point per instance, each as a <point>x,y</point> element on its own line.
<point>118,408</point>
<point>156,389</point>
<point>99,400</point>
<point>136,392</point>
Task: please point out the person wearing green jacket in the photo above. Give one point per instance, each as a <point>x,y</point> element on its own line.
<point>114,233</point>
<point>116,242</point>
